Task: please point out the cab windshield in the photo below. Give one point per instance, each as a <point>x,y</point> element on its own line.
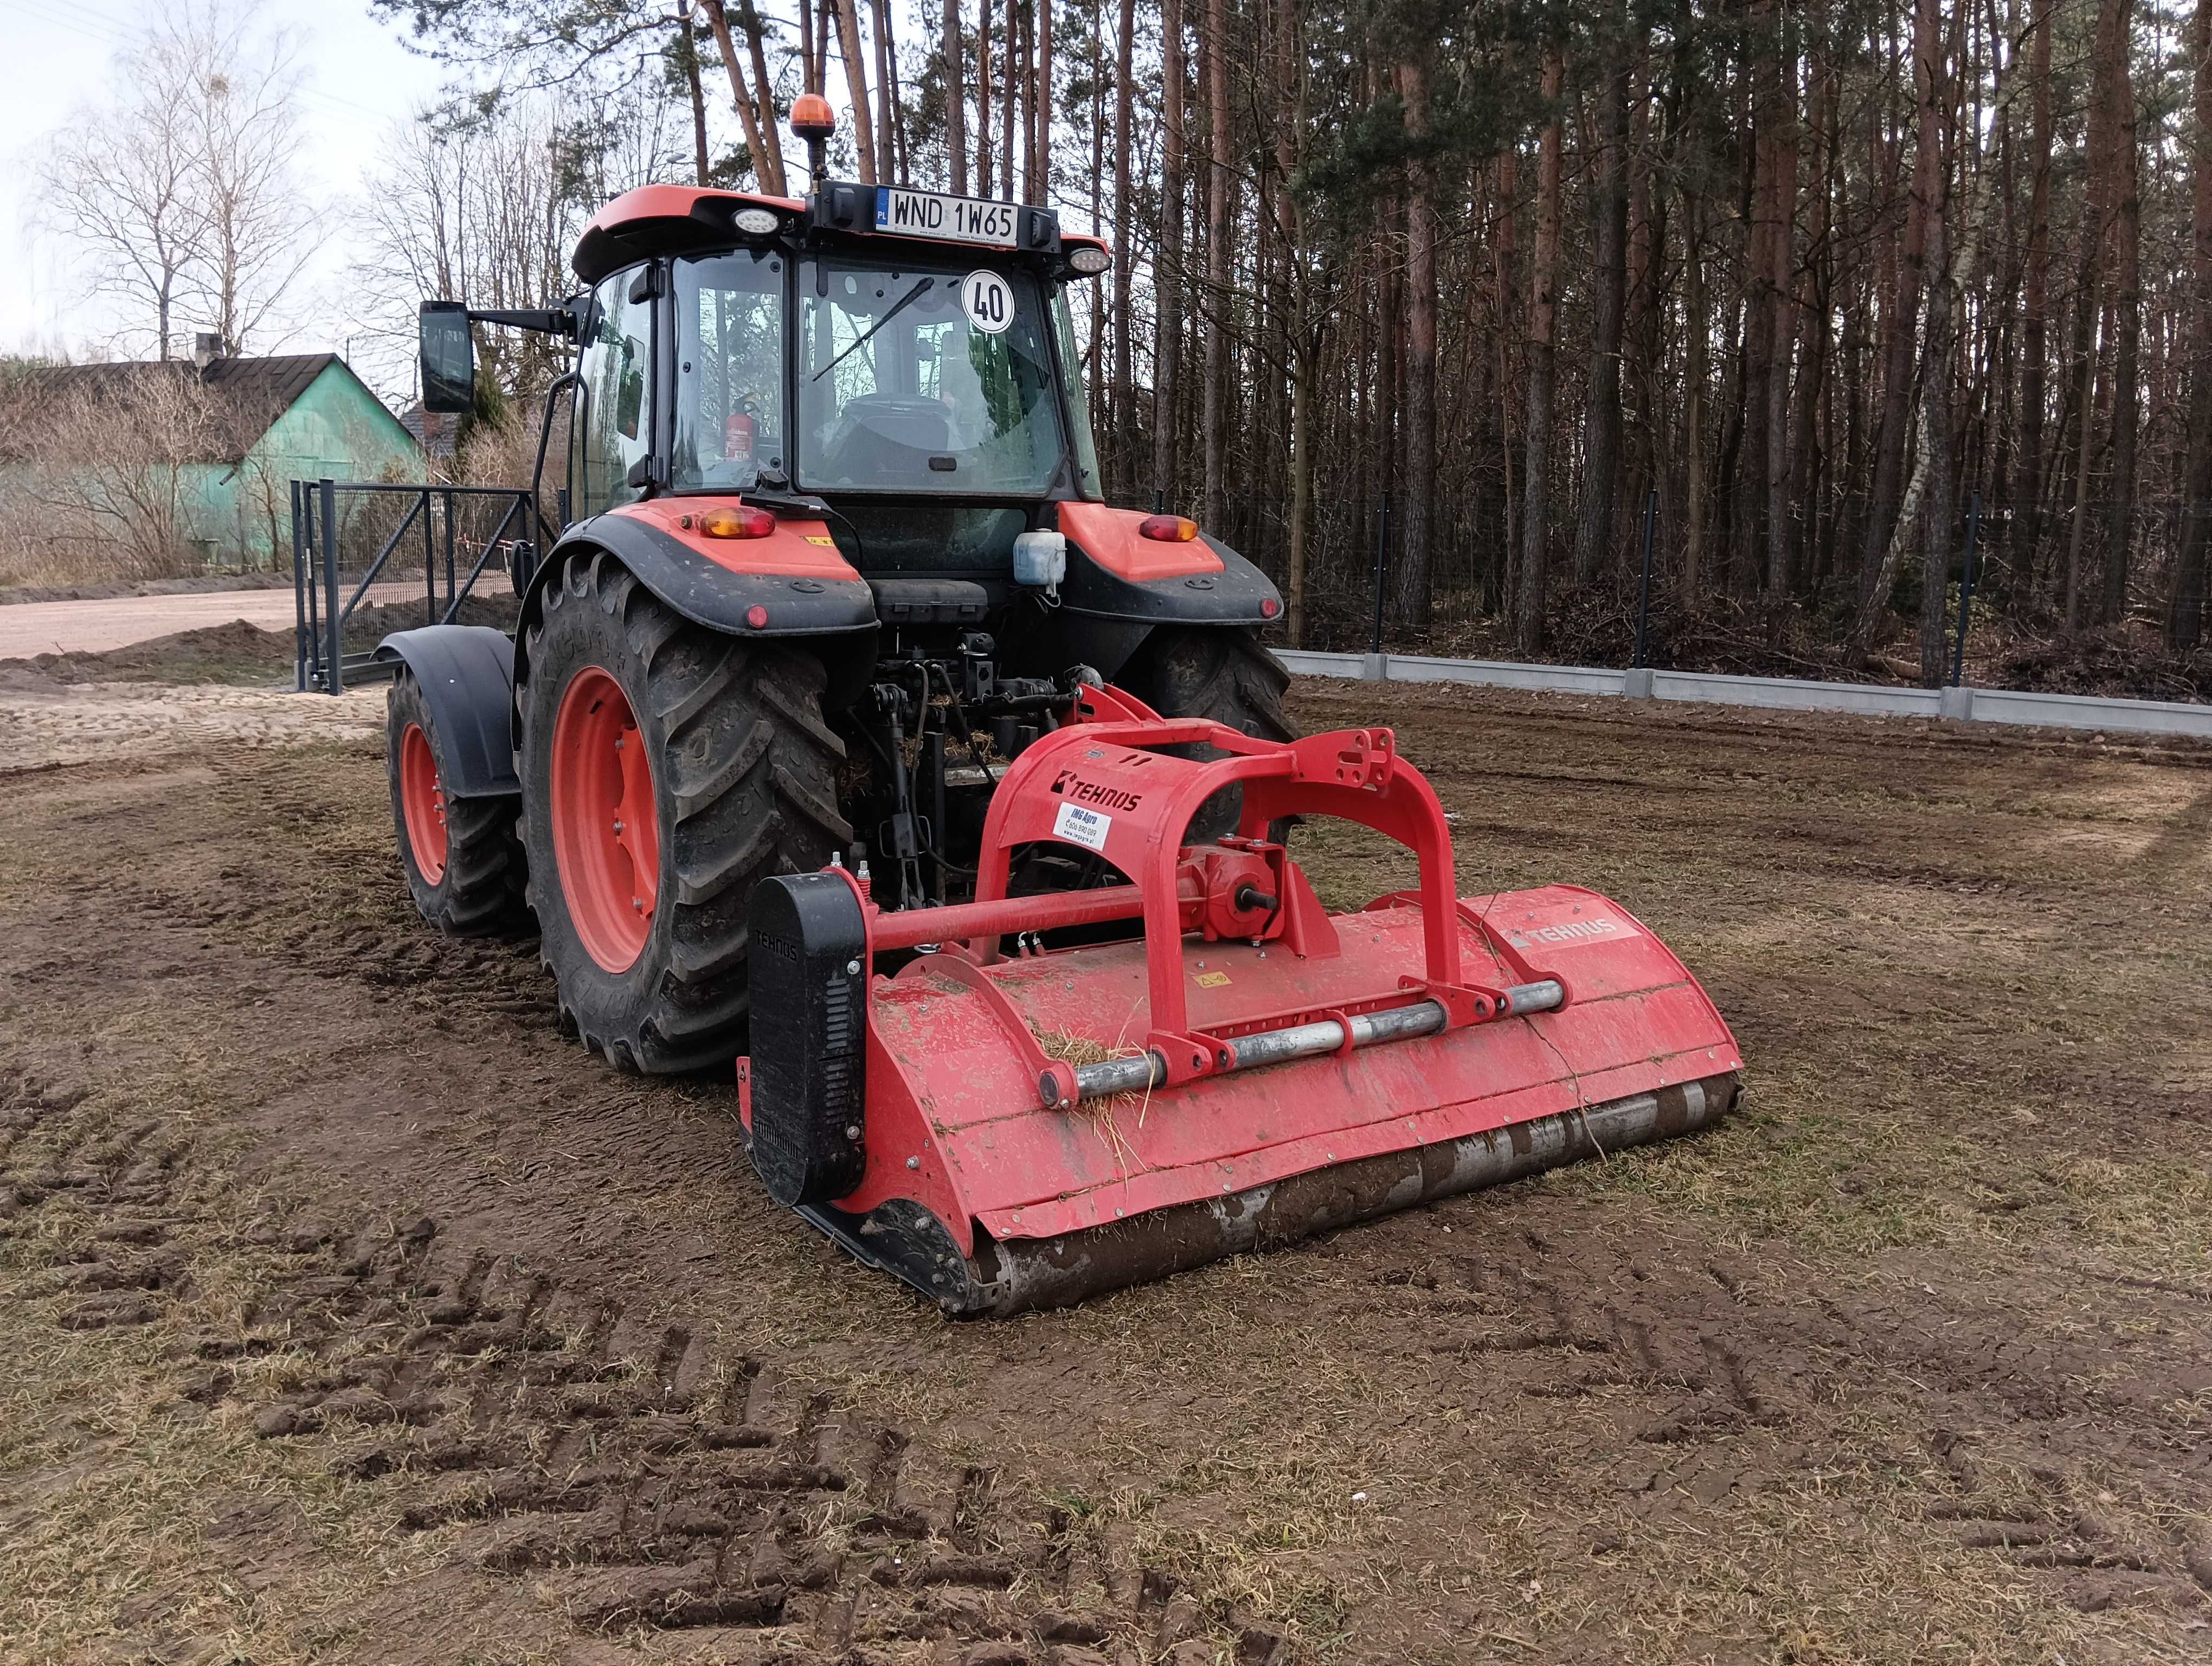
<point>917,377</point>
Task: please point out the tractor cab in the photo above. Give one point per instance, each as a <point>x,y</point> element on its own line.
<point>850,346</point>
<point>844,441</point>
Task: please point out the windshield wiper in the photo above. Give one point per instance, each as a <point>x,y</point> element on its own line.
<point>898,307</point>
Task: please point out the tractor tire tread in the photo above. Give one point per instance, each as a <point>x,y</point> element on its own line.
<point>750,771</point>
<point>484,891</point>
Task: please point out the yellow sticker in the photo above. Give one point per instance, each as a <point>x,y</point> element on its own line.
<point>811,538</point>
<point>1211,980</point>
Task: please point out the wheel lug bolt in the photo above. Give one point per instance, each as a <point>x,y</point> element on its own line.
<point>638,902</point>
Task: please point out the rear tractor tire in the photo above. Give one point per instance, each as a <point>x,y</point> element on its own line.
<point>667,768</point>
<point>463,862</point>
<point>1221,672</point>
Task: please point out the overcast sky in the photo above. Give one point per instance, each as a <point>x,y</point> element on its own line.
<point>357,79</point>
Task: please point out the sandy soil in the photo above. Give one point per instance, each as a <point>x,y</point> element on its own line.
<point>353,1314</point>
<point>28,629</point>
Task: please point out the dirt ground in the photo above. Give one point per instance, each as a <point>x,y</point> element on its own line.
<point>350,1313</point>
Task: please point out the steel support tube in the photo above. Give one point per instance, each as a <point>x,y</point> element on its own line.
<point>1144,1070</point>
<point>959,921</point>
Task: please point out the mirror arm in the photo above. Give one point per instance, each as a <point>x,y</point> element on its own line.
<point>560,385</point>
<point>552,320</point>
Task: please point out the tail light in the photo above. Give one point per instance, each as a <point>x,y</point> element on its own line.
<point>737,523</point>
<point>1168,529</point>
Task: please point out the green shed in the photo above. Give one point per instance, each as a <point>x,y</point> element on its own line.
<point>210,448</point>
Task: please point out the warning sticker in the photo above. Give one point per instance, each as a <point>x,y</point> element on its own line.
<point>1210,980</point>
<point>1087,827</point>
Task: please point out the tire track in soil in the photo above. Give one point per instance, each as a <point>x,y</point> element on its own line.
<point>622,1473</point>
<point>1719,1400</point>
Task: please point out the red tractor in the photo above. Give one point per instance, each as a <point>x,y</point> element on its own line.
<point>847,727</point>
<point>836,512</point>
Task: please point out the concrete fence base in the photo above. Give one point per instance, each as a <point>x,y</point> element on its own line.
<point>2069,711</point>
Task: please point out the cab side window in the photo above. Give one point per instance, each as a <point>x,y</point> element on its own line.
<point>614,427</point>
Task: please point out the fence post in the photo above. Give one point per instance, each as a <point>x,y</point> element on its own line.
<point>300,586</point>
<point>334,669</point>
<point>1966,590</point>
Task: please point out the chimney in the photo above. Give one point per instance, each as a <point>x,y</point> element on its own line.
<point>207,347</point>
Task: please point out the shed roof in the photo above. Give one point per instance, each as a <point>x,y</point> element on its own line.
<point>246,396</point>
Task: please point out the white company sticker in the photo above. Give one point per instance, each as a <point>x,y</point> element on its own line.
<point>1087,827</point>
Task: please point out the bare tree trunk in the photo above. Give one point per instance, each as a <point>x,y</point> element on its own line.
<point>1609,300</point>
<point>1040,191</point>
<point>955,100</point>
<point>2023,537</point>
<point>1025,144</point>
<point>2099,210</point>
<point>762,142</point>
<point>1213,56</point>
<point>1536,426</point>
<point>2127,306</point>
<point>1807,468</point>
<point>1413,584</point>
<point>887,127</point>
<point>1904,281</point>
<point>1931,75</point>
<point>1506,285</point>
<point>1697,327</point>
<point>687,54</point>
<point>1782,199</point>
<point>983,175</point>
<point>1167,352</point>
<point>2186,619</point>
<point>2085,400</point>
<point>1011,56</point>
<point>856,85</point>
<point>1934,457</point>
<point>1125,234</point>
<point>1303,364</point>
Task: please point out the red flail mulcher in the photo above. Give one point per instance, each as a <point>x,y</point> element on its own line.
<point>1016,1130</point>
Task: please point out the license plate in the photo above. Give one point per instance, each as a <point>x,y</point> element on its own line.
<point>953,219</point>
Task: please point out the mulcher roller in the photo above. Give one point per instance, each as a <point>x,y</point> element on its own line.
<point>1009,1131</point>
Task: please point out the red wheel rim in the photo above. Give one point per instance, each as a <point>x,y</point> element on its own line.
<point>606,833</point>
<point>422,802</point>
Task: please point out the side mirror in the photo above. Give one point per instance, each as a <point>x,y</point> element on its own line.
<point>449,359</point>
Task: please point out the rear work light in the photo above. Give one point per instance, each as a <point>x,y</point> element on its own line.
<point>1089,260</point>
<point>737,523</point>
<point>1168,529</point>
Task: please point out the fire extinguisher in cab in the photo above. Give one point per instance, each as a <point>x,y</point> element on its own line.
<point>738,438</point>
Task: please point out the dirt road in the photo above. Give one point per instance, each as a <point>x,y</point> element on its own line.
<point>353,1314</point>
<point>29,628</point>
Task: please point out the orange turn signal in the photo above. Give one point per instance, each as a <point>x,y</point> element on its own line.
<point>1168,529</point>
<point>737,523</point>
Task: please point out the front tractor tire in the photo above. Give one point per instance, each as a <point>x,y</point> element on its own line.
<point>1219,672</point>
<point>463,863</point>
<point>667,768</point>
